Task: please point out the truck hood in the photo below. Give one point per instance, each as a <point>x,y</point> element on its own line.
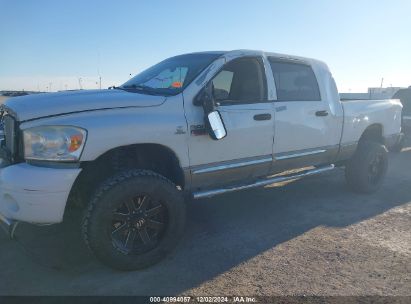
<point>52,104</point>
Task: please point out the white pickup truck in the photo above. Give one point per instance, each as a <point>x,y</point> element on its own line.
<point>192,126</point>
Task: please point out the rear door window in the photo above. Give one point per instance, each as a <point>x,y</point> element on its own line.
<point>294,81</point>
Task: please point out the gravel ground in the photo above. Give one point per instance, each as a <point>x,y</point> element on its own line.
<point>309,237</point>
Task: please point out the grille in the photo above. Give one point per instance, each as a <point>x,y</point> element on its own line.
<point>10,134</point>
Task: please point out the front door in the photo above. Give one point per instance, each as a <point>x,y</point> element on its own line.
<point>240,93</point>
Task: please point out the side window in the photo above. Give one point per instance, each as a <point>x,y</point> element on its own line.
<point>241,81</point>
<point>222,85</point>
<point>294,81</point>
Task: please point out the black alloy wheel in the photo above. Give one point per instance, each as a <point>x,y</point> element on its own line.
<point>138,225</point>
<point>376,169</point>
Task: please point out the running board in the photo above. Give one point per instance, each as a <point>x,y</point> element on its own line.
<point>261,183</point>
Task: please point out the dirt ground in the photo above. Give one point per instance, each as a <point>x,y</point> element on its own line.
<point>309,237</point>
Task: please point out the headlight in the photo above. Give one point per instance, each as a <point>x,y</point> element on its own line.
<point>54,143</point>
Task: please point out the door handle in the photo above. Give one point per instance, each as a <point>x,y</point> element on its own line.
<point>265,116</point>
<point>321,113</point>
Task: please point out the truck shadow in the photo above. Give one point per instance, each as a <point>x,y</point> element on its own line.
<point>221,233</point>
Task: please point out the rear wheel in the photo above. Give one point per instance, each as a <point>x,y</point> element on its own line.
<point>134,220</point>
<point>366,171</point>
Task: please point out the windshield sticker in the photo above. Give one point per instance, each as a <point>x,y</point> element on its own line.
<point>177,84</point>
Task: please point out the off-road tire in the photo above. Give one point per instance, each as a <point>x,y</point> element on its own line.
<point>109,195</point>
<point>358,168</point>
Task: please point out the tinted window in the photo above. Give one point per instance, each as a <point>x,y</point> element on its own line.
<point>241,80</point>
<point>294,81</point>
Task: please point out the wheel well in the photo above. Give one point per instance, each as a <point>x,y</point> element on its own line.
<point>157,158</point>
<point>372,133</point>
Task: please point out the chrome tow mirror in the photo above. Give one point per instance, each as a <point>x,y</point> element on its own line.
<point>213,121</point>
<point>216,127</point>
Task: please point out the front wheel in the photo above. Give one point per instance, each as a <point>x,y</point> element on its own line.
<point>366,171</point>
<point>134,220</point>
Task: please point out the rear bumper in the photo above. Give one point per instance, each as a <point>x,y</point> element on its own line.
<point>34,194</point>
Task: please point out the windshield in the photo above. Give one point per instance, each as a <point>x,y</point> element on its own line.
<point>172,75</point>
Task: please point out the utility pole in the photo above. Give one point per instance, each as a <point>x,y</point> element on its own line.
<point>382,81</point>
<point>98,68</point>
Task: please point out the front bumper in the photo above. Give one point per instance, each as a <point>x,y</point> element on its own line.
<point>34,194</point>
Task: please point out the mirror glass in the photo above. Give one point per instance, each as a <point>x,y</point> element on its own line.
<point>217,129</point>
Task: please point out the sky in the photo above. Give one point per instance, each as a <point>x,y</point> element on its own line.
<point>57,45</point>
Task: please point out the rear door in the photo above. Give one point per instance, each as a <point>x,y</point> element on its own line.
<point>307,130</point>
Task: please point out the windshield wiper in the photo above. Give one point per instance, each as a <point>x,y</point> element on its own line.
<point>140,87</point>
<point>133,86</point>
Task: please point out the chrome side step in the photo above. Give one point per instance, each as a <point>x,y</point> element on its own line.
<point>261,183</point>
<point>8,225</point>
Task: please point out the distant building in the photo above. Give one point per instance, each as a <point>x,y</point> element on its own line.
<point>383,93</point>
<point>17,93</point>
<point>351,96</point>
<point>373,93</point>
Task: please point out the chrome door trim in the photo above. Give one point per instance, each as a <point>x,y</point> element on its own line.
<point>233,165</point>
<point>261,183</point>
<point>300,154</point>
